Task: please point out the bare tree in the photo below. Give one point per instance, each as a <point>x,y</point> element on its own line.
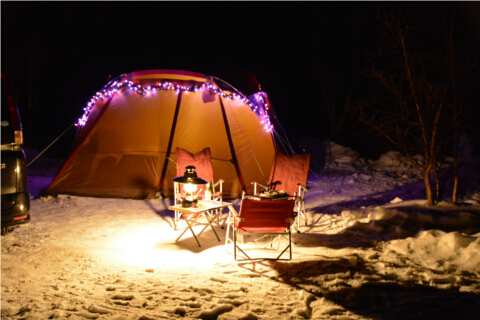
<point>414,92</point>
<point>458,67</point>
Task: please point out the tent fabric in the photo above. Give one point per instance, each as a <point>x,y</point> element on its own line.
<point>127,145</point>
<point>288,171</point>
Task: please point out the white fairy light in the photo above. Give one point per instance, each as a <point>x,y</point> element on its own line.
<point>140,90</point>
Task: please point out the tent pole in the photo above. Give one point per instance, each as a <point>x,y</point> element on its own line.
<point>170,141</point>
<point>232,149</point>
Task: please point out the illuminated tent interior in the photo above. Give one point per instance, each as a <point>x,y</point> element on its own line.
<point>131,128</point>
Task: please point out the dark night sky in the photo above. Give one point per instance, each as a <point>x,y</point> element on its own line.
<point>71,48</point>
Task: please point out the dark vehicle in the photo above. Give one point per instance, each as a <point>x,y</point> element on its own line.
<point>15,198</point>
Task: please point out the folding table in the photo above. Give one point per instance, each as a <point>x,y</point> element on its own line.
<point>191,215</point>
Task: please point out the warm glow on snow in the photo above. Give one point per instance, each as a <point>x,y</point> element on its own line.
<point>148,246</point>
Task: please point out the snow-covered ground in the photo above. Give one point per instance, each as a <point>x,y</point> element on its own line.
<point>372,250</point>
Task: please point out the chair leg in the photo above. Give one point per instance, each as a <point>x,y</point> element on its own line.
<point>301,213</point>
<point>298,220</point>
<point>267,235</point>
<point>290,244</point>
<point>235,245</point>
<point>277,238</point>
<point>304,214</point>
<point>295,224</point>
<point>289,247</point>
<point>228,231</point>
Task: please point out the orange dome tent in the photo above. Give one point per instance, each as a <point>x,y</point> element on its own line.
<point>132,127</point>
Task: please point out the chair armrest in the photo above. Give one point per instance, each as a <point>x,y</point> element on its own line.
<point>219,193</point>
<point>267,187</point>
<point>232,210</point>
<point>305,188</point>
<point>218,182</point>
<point>261,185</point>
<point>236,218</point>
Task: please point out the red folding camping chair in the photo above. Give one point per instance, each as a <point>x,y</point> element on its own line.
<point>262,217</point>
<point>289,174</point>
<point>202,162</point>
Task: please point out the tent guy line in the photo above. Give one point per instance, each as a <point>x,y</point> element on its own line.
<point>73,124</point>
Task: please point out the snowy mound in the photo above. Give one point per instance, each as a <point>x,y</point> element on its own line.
<point>343,157</point>
<point>395,161</point>
<point>441,251</point>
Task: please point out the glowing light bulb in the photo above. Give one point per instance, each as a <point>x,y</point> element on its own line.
<point>190,187</point>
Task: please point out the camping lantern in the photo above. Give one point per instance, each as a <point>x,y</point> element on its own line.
<point>190,181</point>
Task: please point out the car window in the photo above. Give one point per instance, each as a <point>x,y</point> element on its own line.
<point>7,128</point>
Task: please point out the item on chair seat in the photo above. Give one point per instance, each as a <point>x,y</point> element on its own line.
<point>273,194</point>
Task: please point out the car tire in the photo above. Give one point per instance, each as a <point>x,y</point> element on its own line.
<point>7,230</point>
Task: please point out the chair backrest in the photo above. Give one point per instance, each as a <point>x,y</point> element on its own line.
<point>265,215</point>
<point>288,171</point>
<point>202,162</point>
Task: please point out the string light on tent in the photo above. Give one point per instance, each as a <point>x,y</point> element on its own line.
<point>264,113</point>
<point>116,86</point>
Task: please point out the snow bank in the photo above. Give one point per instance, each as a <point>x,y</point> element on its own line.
<point>441,251</point>
<point>395,161</point>
<point>343,158</point>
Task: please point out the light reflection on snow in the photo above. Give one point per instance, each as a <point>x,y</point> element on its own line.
<point>150,247</point>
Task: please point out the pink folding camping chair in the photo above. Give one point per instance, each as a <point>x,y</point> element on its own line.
<point>262,217</point>
<point>289,174</point>
<point>202,162</point>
